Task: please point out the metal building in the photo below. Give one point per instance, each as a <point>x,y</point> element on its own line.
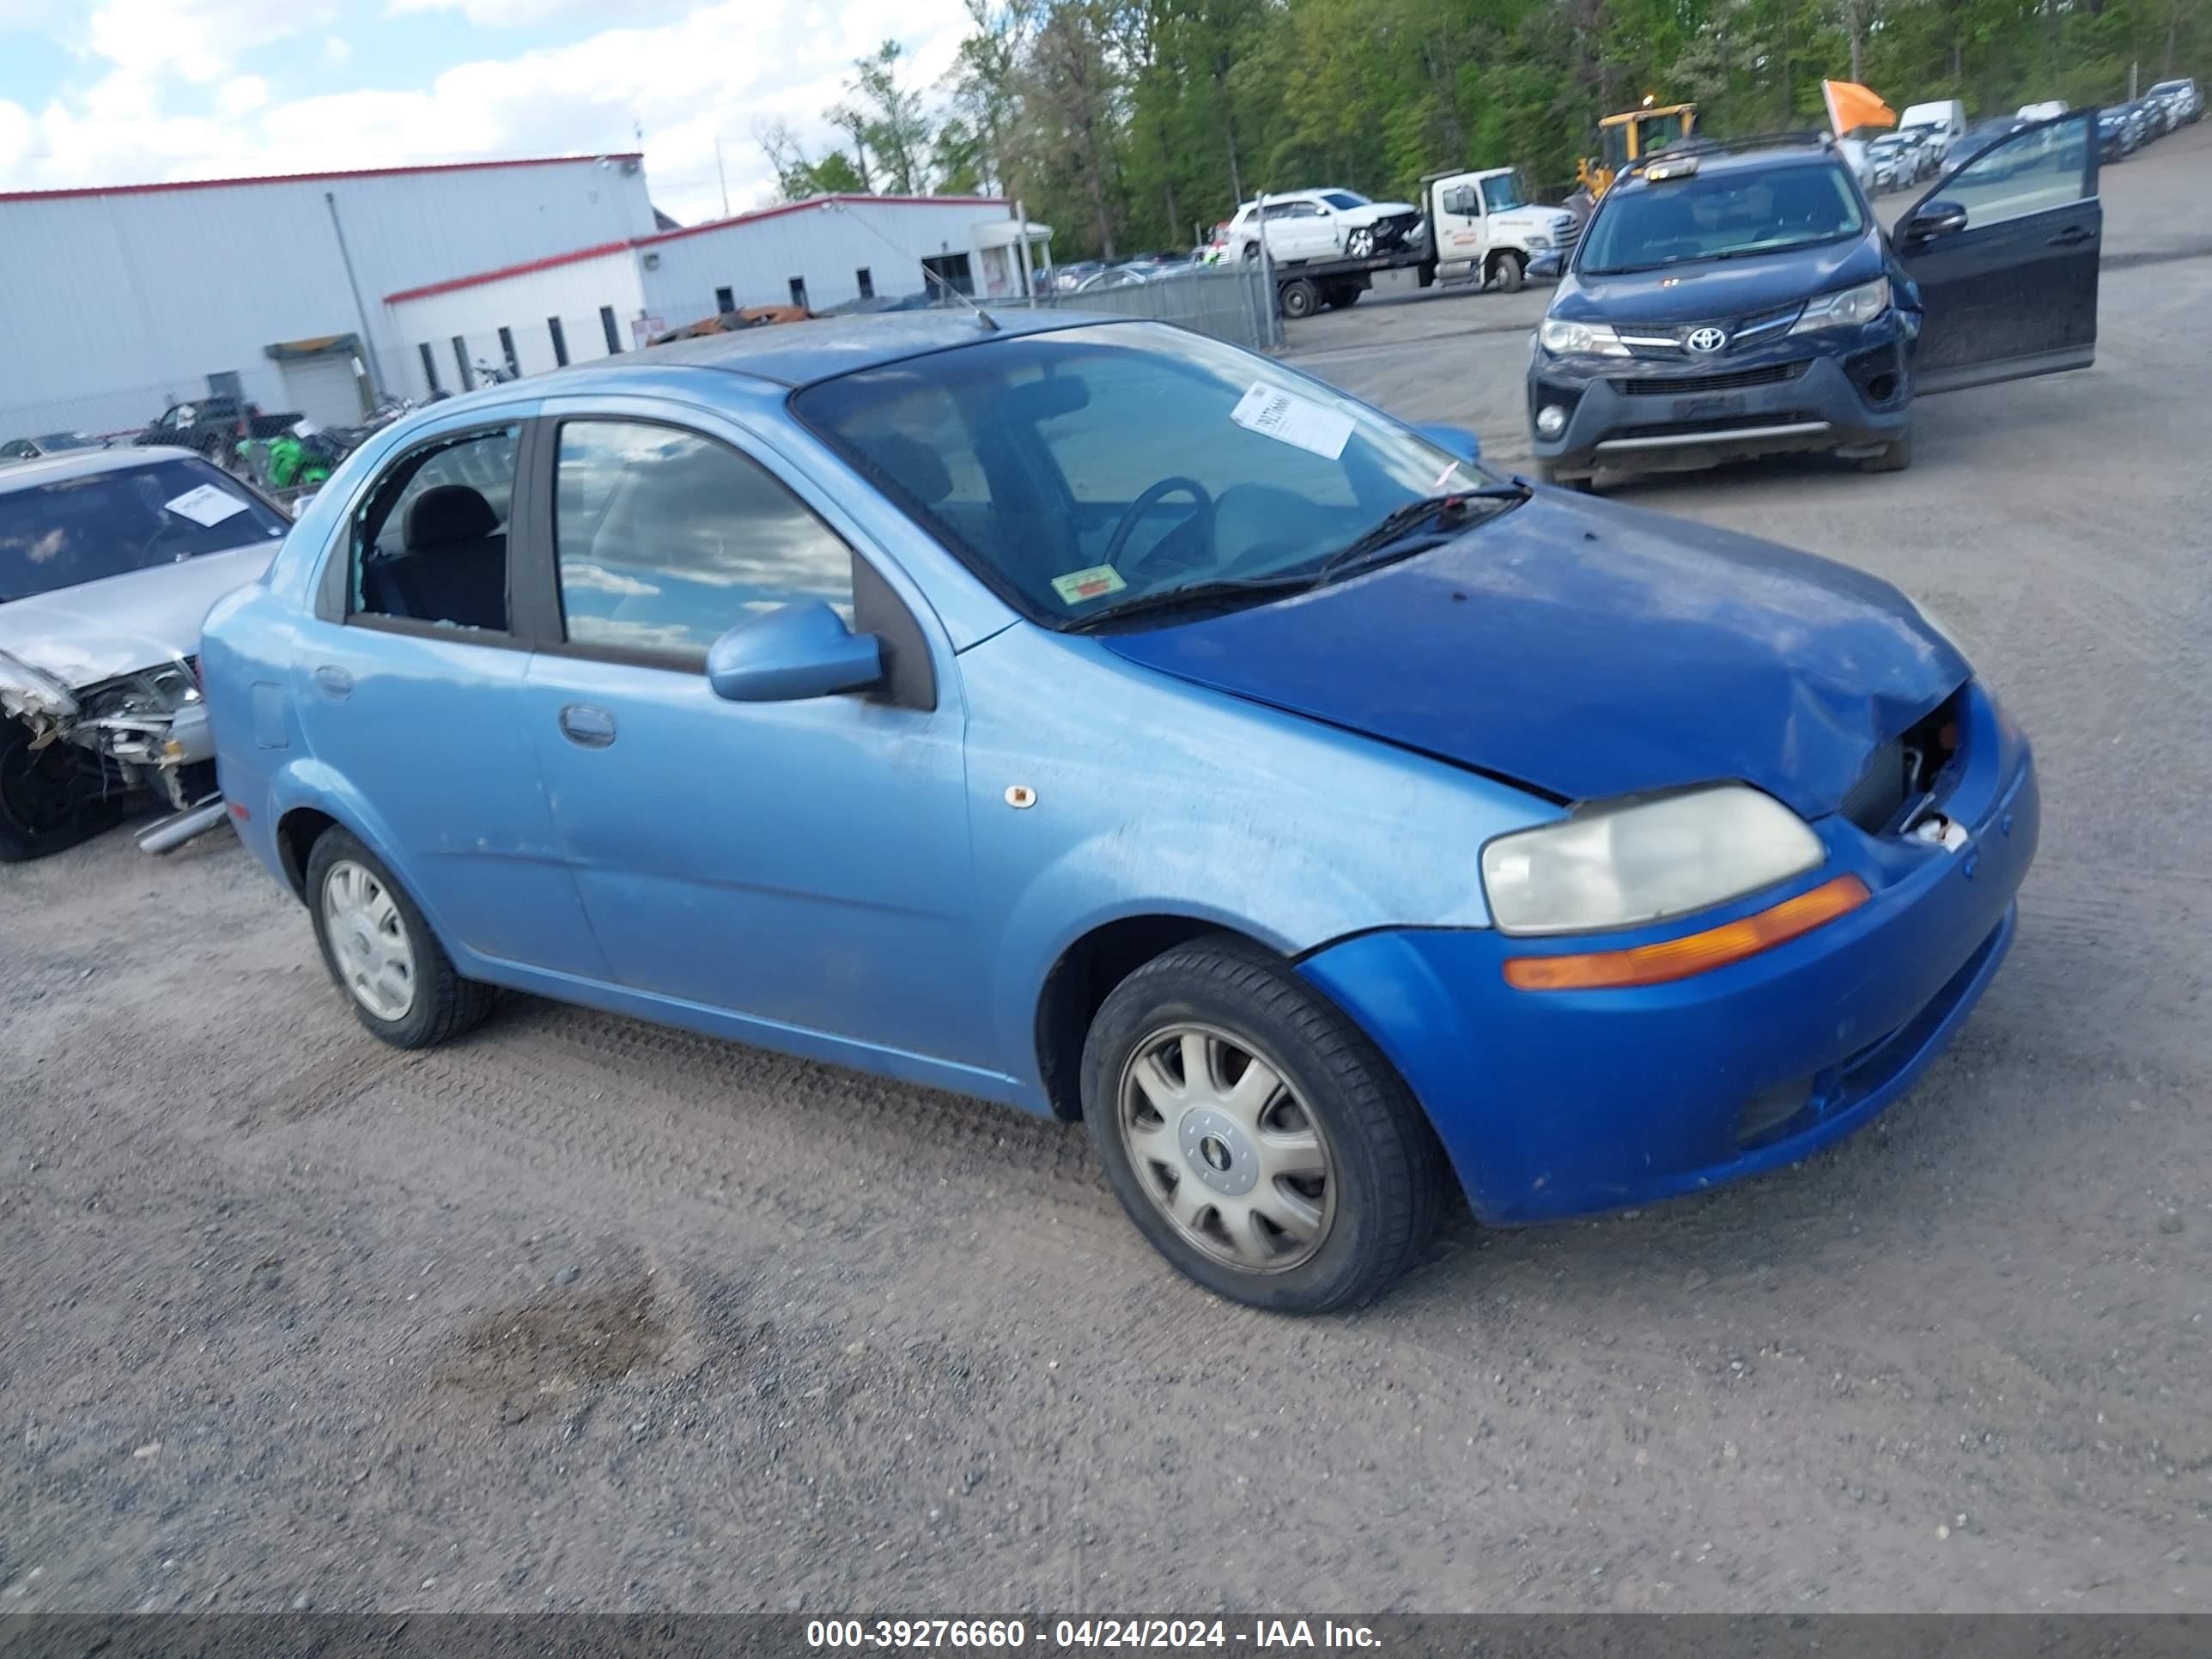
<point>528,315</point>
<point>121,301</point>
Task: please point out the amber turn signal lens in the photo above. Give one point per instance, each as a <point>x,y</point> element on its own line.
<point>1693,953</point>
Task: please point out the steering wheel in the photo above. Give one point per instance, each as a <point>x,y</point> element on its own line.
<point>1151,498</point>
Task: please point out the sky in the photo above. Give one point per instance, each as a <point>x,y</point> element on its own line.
<point>116,92</point>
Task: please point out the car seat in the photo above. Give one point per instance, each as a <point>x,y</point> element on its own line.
<point>453,567</point>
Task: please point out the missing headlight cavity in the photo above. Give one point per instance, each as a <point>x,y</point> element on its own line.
<point>1907,773</point>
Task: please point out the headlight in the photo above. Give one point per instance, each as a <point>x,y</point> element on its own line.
<point>1537,238</point>
<point>1580,339</point>
<point>1845,308</point>
<point>1618,866</point>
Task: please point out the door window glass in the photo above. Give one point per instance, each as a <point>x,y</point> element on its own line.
<point>2032,172</point>
<point>431,542</point>
<point>667,539</point>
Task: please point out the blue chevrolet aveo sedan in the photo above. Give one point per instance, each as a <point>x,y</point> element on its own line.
<point>1102,719</point>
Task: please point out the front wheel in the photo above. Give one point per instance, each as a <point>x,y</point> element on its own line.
<point>48,801</point>
<point>1359,244</point>
<point>1254,1135</point>
<point>1505,272</point>
<point>398,979</point>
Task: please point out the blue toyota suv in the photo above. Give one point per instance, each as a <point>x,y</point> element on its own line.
<point>1731,301</point>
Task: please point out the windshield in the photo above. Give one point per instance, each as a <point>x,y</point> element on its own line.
<point>1719,217</point>
<point>1343,198</point>
<point>54,440</point>
<point>105,524</point>
<point>1502,192</point>
<point>1083,469</point>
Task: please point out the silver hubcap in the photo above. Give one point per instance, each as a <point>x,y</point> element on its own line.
<point>368,941</point>
<point>1226,1150</point>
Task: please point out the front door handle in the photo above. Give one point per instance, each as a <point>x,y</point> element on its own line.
<point>2073,236</point>
<point>587,726</point>
<point>334,680</point>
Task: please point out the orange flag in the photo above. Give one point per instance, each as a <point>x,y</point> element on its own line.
<point>1851,105</point>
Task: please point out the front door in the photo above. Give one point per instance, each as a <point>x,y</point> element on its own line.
<point>804,863</point>
<point>1457,216</point>
<point>407,680</point>
<point>2005,253</point>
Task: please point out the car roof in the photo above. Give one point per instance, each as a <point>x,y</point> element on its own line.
<point>60,467</point>
<point>1763,158</point>
<point>800,353</point>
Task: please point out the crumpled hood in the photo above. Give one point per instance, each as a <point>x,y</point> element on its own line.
<point>1591,651</point>
<point>1719,287</point>
<point>1375,212</point>
<point>96,630</point>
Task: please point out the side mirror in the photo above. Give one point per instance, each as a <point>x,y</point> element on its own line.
<point>793,652</point>
<point>1459,199</point>
<point>1935,219</point>
<point>1454,439</point>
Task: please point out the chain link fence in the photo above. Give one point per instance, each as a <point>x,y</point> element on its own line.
<point>1229,301</point>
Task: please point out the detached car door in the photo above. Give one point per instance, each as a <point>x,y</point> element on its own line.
<point>804,862</point>
<point>2004,251</point>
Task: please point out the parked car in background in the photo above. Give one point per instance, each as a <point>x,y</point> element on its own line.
<point>1892,161</point>
<point>108,561</point>
<point>2142,124</point>
<point>1972,141</point>
<point>1322,224</point>
<point>1069,277</point>
<point>2115,139</point>
<point>213,427</point>
<point>2049,109</point>
<point>48,443</point>
<point>2189,105</point>
<point>1734,303</point>
<point>1945,118</point>
<point>937,701</point>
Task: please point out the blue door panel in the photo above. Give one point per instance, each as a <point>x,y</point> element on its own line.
<point>804,862</point>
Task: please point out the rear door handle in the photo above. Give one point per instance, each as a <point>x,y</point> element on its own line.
<point>2073,236</point>
<point>334,680</point>
<point>587,726</point>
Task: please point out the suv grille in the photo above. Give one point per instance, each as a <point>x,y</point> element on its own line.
<point>1681,386</point>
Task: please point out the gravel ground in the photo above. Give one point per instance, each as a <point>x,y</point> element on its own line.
<point>581,1313</point>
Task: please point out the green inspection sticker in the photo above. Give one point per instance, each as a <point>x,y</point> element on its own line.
<point>1095,583</point>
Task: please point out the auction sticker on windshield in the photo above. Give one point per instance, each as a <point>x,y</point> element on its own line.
<point>205,505</point>
<point>1095,583</point>
<point>1290,419</point>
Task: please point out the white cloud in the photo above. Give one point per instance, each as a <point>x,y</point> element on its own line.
<point>241,95</point>
<point>700,71</point>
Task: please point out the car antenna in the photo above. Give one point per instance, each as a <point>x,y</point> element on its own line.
<point>984,320</point>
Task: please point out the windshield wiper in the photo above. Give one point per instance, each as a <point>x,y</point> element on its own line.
<point>1190,593</point>
<point>1396,525</point>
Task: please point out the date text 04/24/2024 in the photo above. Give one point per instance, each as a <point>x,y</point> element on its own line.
<point>1255,1635</point>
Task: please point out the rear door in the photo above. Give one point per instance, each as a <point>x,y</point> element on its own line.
<point>2012,291</point>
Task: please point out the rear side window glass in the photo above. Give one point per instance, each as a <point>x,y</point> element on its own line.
<point>430,544</point>
<point>668,539</point>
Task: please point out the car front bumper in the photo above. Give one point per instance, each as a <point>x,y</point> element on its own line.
<point>1558,1104</point>
<point>1839,389</point>
<point>1544,263</point>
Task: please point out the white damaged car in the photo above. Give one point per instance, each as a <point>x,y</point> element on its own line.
<point>1323,224</point>
<point>109,560</point>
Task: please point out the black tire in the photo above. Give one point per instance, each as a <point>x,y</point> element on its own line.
<point>1582,483</point>
<point>444,1005</point>
<point>1300,299</point>
<point>1387,1169</point>
<point>1506,271</point>
<point>1342,296</point>
<point>48,801</point>
<point>1895,456</point>
<point>1251,254</point>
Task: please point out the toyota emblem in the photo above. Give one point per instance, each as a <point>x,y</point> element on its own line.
<point>1707,339</point>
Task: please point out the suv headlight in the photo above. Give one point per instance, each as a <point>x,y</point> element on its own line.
<point>1580,339</point>
<point>1845,308</point>
<point>1614,867</point>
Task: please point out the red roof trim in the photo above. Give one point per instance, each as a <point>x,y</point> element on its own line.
<point>523,270</point>
<point>550,261</point>
<point>309,178</point>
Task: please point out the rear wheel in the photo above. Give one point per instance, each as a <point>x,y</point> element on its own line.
<point>401,983</point>
<point>1505,272</point>
<point>1254,1135</point>
<point>1343,296</point>
<point>1300,299</point>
